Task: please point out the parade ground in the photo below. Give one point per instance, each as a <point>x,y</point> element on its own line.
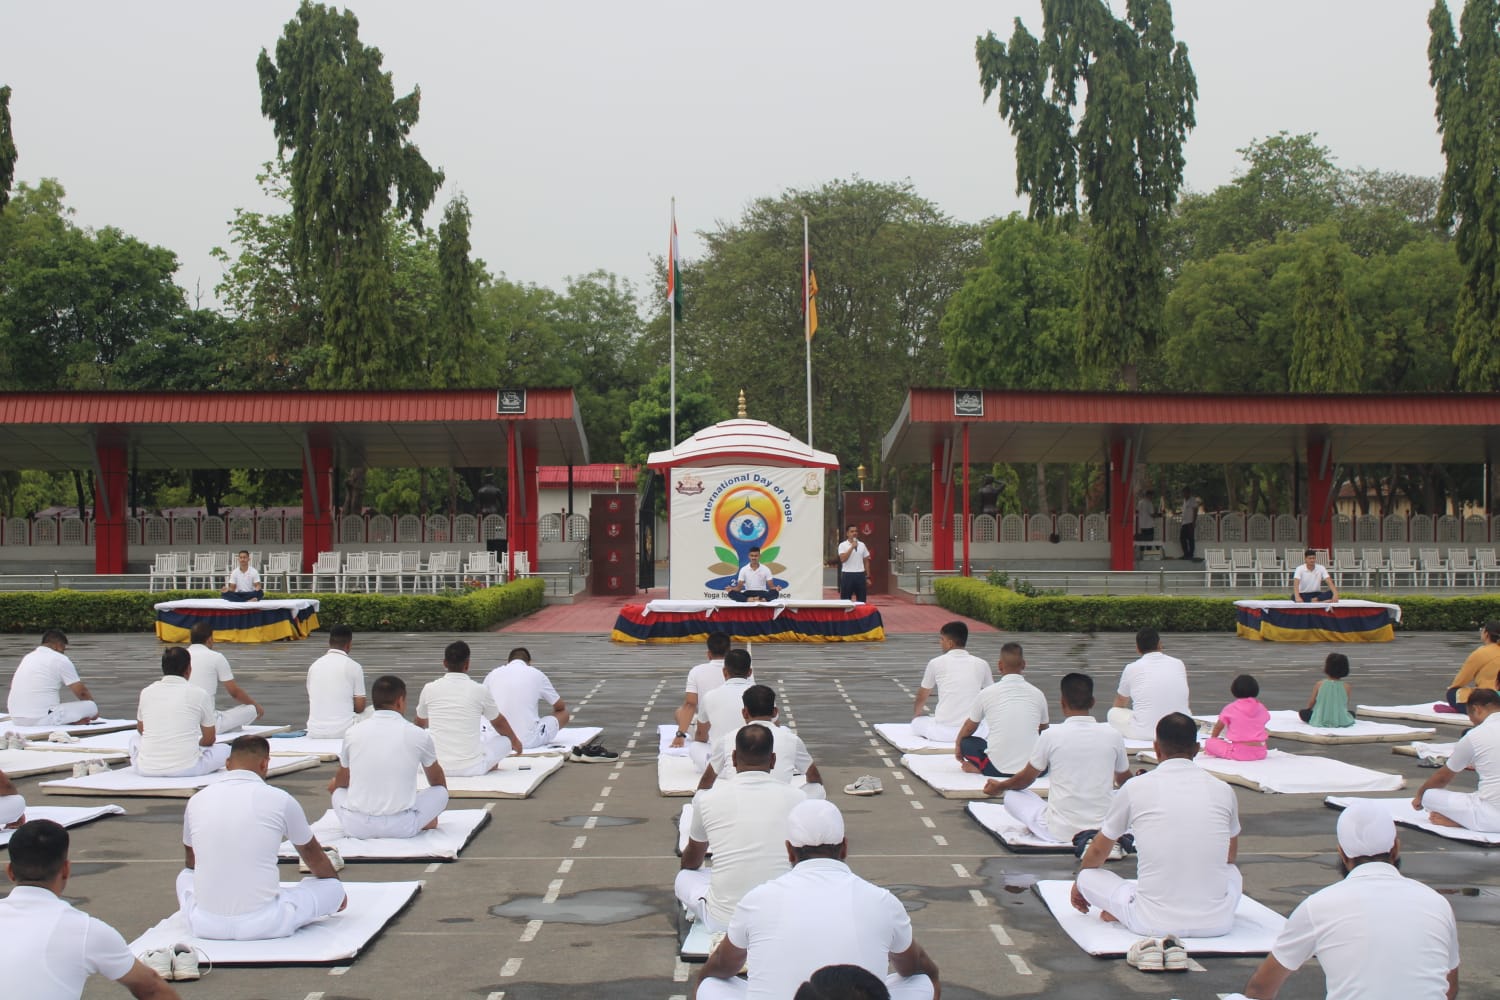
<point>568,894</point>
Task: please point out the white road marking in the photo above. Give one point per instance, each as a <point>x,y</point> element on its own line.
<point>978,898</point>
<point>906,790</point>
<point>680,972</point>
<point>1000,935</point>
<point>338,970</point>
<point>529,934</point>
<point>927,822</point>
<point>1022,969</point>
<point>553,888</point>
<point>958,870</point>
<point>432,867</point>
<point>591,822</point>
<point>597,807</point>
<point>917,805</point>
<point>578,843</point>
<point>941,841</point>
<point>510,968</point>
<point>567,866</point>
<point>604,792</point>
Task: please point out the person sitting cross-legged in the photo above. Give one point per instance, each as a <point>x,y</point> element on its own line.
<point>957,676</point>
<point>335,688</point>
<point>210,669</point>
<point>792,758</point>
<point>1015,712</point>
<point>518,688</point>
<point>1149,688</point>
<point>1478,748</point>
<point>230,889</point>
<point>755,581</point>
<point>721,711</point>
<point>34,698</point>
<point>452,707</point>
<point>375,788</point>
<point>1187,825</point>
<point>175,725</point>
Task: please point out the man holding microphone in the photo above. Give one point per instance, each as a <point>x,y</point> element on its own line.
<point>854,567</point>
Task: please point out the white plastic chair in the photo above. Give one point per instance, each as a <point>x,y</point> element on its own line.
<point>1268,565</point>
<point>411,565</point>
<point>1486,564</point>
<point>1216,563</point>
<point>164,571</point>
<point>1375,565</point>
<point>356,564</point>
<point>1432,566</point>
<point>1243,561</point>
<point>327,564</point>
<point>1459,564</point>
<point>388,567</point>
<point>479,567</point>
<point>1401,563</point>
<point>1346,565</point>
<point>279,567</point>
<point>202,569</point>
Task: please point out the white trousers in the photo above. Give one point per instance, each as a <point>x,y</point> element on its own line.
<point>12,808</point>
<point>900,987</point>
<point>65,714</point>
<point>234,718</point>
<point>1029,807</point>
<point>210,759</point>
<point>926,726</point>
<point>397,826</point>
<point>309,900</point>
<point>691,887</point>
<point>546,731</point>
<point>1116,896</point>
<point>494,748</point>
<point>1466,809</point>
<point>699,754</point>
<point>1123,719</point>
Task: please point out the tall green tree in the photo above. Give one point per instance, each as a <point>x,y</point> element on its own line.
<point>7,149</point>
<point>1327,350</point>
<point>1465,74</point>
<point>1124,152</point>
<point>458,285</point>
<point>335,110</point>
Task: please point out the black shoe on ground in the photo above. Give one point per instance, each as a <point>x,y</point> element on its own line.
<point>1127,843</point>
<point>1081,842</point>
<point>592,752</point>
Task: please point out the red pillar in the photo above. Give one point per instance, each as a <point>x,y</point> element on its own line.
<point>529,504</point>
<point>111,543</point>
<point>1319,493</point>
<point>1121,506</point>
<point>512,501</point>
<point>966,500</point>
<point>317,502</point>
<point>942,507</point>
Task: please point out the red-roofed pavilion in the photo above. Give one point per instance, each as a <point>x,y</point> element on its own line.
<point>113,432</point>
<point>1125,430</point>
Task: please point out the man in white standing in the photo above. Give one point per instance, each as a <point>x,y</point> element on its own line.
<point>1015,711</point>
<point>721,711</point>
<point>1150,687</point>
<point>1145,517</point>
<point>375,788</point>
<point>175,725</point>
<point>819,913</point>
<point>210,669</point>
<point>47,948</point>
<point>35,699</point>
<point>792,757</point>
<point>957,676</point>
<point>244,581</point>
<point>1311,582</point>
<point>854,567</point>
<point>1084,761</point>
<point>744,822</point>
<point>335,688</point>
<point>1479,748</point>
<point>1187,823</point>
<point>754,582</point>
<point>700,680</point>
<point>518,688</point>
<point>230,888</point>
<point>452,707</point>
<point>1376,933</point>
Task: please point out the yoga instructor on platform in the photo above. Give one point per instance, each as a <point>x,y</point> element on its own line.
<point>854,567</point>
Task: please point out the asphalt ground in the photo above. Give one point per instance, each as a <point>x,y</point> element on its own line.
<point>568,893</point>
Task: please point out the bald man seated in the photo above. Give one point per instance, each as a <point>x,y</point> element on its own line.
<point>176,725</point>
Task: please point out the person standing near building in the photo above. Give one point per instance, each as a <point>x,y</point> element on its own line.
<point>854,567</point>
<point>1187,535</point>
<point>1145,517</point>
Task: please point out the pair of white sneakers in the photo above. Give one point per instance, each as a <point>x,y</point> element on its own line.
<point>12,740</point>
<point>1163,954</point>
<point>334,857</point>
<point>84,768</point>
<point>177,964</point>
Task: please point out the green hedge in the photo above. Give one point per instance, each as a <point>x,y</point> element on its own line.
<point>1006,609</point>
<point>132,611</point>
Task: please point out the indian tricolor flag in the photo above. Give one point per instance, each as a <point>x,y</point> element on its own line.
<point>674,288</point>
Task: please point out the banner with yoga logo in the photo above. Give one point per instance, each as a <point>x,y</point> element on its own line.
<point>720,514</point>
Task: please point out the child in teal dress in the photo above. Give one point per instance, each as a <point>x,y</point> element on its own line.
<point>1329,705</point>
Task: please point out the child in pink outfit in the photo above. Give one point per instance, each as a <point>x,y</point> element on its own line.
<point>1242,724</point>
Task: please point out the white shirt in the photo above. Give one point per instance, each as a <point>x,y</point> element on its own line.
<point>856,562</point>
<point>244,581</point>
<point>756,577</point>
<point>172,713</point>
<point>39,676</point>
<point>210,667</point>
<point>334,680</point>
<point>517,688</point>
<point>1182,818</point>
<point>705,677</point>
<point>957,676</point>
<point>1080,758</point>
<point>235,826</point>
<point>1145,514</point>
<point>743,822</point>
<point>1014,708</point>
<point>384,755</point>
<point>1376,934</point>
<point>1156,685</point>
<point>819,913</point>
<point>792,757</point>
<point>1479,748</point>
<point>454,705</point>
<point>48,949</point>
<point>1310,581</point>
<point>723,708</point>
<point>1190,506</point>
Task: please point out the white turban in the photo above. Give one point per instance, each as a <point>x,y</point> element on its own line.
<point>1364,830</point>
<point>814,823</point>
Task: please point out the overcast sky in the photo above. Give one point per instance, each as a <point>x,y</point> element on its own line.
<point>570,125</point>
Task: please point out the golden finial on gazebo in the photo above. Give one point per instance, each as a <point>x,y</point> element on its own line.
<point>742,414</point>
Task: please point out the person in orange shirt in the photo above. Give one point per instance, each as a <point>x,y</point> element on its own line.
<point>1480,670</point>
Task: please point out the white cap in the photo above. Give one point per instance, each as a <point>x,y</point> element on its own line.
<point>814,823</point>
<point>1365,829</point>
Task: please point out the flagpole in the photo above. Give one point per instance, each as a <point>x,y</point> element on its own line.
<point>807,325</point>
<point>672,320</point>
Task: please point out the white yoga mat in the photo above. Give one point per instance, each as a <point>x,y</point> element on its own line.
<point>456,827</point>
<point>1421,712</point>
<point>1402,812</point>
<point>950,781</point>
<point>664,737</point>
<point>1439,752</point>
<point>1294,774</point>
<point>696,946</point>
<point>372,905</point>
<point>124,781</point>
<point>516,778</point>
<point>676,776</point>
<point>306,746</point>
<point>565,740</point>
<point>1011,832</point>
<point>1255,927</point>
<point>119,741</point>
<point>1288,725</point>
<point>900,736</point>
<point>64,815</point>
<point>25,763</point>
<point>79,729</point>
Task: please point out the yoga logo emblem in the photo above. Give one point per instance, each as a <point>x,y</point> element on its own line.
<point>744,518</point>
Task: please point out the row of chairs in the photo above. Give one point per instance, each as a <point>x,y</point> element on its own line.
<point>374,571</point>
<point>209,570</point>
<point>1371,567</point>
